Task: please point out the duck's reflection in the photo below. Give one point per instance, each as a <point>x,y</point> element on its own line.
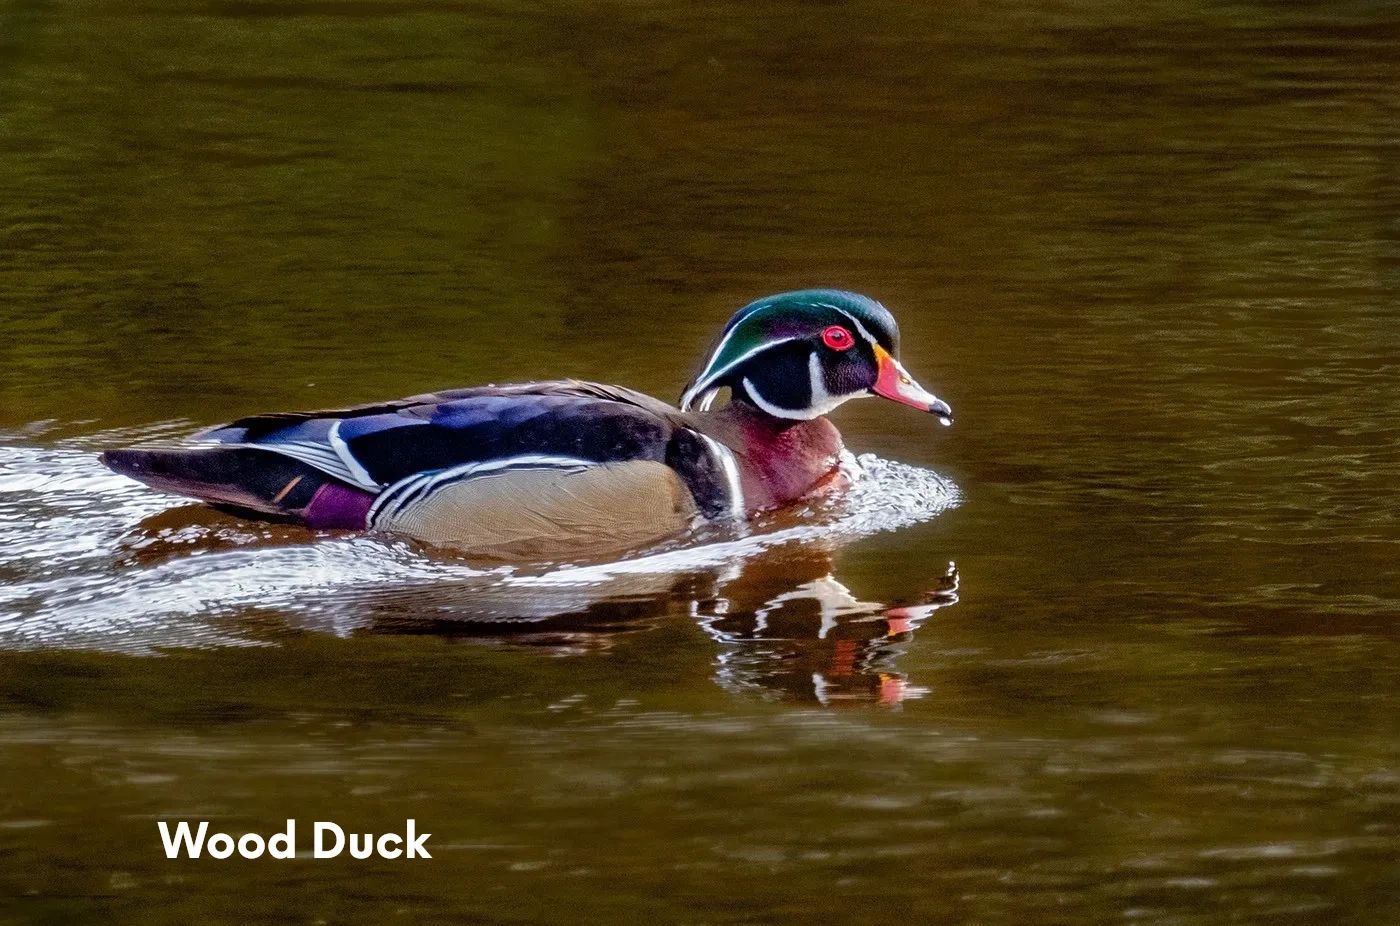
<point>782,625</point>
<point>816,641</point>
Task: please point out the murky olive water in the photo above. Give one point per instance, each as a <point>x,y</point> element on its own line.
<point>1149,254</point>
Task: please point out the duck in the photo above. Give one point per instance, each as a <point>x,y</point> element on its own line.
<point>566,467</point>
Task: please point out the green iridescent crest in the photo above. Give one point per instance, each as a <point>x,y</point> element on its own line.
<point>785,317</point>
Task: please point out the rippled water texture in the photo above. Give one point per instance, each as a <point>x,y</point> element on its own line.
<point>1149,254</point>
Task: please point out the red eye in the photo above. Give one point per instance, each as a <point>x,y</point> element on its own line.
<point>837,338</point>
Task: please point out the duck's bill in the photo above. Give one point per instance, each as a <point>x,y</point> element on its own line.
<point>893,382</point>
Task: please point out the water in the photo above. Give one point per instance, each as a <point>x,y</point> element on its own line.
<point>1149,255</point>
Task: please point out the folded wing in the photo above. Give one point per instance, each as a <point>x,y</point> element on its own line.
<point>373,447</point>
<point>541,469</point>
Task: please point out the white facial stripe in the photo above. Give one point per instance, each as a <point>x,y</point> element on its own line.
<point>777,411</point>
<point>707,378</point>
<point>822,402</point>
<point>853,320</point>
<point>769,407</point>
<point>814,375</point>
<point>705,375</point>
<point>859,327</point>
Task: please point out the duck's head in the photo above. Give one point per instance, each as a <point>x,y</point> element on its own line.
<point>799,355</point>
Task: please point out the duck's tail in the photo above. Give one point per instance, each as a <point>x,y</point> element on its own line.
<point>252,481</point>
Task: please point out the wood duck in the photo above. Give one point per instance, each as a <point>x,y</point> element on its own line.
<point>566,467</point>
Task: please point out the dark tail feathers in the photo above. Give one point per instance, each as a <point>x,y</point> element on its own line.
<point>241,477</point>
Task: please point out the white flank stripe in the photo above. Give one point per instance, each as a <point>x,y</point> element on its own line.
<point>725,458</point>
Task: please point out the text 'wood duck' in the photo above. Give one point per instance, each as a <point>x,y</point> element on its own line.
<point>566,467</point>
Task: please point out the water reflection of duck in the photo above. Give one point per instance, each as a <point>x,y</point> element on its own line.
<point>566,467</point>
<point>817,642</point>
<point>784,625</point>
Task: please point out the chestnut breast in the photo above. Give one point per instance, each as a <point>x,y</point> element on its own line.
<point>779,465</point>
